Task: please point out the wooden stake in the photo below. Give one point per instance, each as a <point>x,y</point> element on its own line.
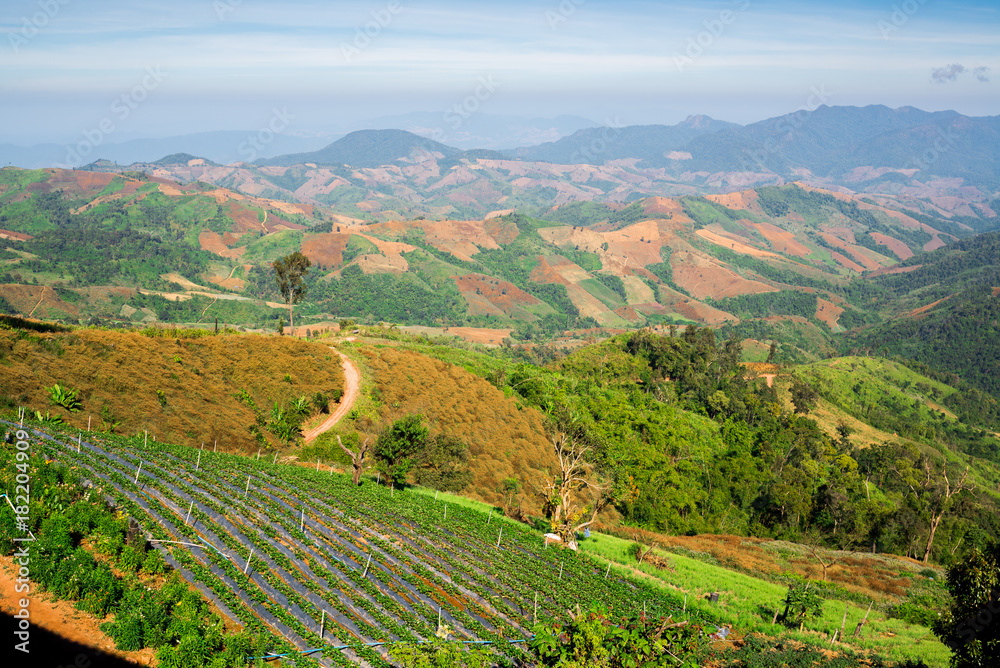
<point>216,448</point>
<point>145,439</point>
<point>367,564</point>
<point>198,465</point>
<point>534,614</point>
<point>317,465</point>
<point>190,508</point>
<point>435,495</point>
<point>88,422</point>
<point>439,616</point>
<point>560,570</point>
<point>245,568</point>
<point>500,536</point>
<point>608,572</point>
<point>137,472</point>
<point>857,631</point>
<point>446,512</point>
<point>302,522</point>
<point>322,623</point>
<point>247,490</point>
<point>258,454</point>
<point>490,518</point>
<point>79,439</point>
<point>685,603</point>
<point>378,478</point>
<point>842,623</point>
<point>275,458</point>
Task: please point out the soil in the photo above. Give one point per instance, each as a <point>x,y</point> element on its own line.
<point>352,387</point>
<point>75,632</point>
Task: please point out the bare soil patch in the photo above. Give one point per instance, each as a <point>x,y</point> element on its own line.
<point>704,277</point>
<point>828,313</point>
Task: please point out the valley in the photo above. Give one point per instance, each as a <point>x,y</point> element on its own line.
<point>734,387</point>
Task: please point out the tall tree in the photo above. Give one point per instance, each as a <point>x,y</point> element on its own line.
<point>972,627</point>
<point>289,272</point>
<point>574,476</point>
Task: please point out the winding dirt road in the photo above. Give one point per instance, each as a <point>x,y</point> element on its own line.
<point>352,386</point>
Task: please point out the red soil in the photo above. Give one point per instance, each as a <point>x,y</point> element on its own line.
<point>325,250</point>
<point>704,277</point>
<point>501,294</point>
<point>828,313</point>
<point>901,250</point>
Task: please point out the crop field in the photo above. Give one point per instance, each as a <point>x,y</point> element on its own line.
<point>338,572</point>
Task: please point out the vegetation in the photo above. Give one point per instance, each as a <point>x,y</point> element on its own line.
<point>289,272</point>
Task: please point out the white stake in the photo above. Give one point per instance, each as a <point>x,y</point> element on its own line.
<point>88,422</point>
<point>317,465</point>
<point>490,518</point>
<point>439,616</point>
<point>378,478</point>
<point>79,438</point>
<point>247,490</point>
<point>245,568</point>
<point>608,572</point>
<point>435,495</point>
<point>198,465</point>
<point>446,511</point>
<point>258,454</point>
<point>685,603</point>
<point>216,448</point>
<point>145,439</point>
<point>367,564</point>
<point>302,522</point>
<point>560,570</point>
<point>190,508</point>
<point>137,472</point>
<point>275,458</point>
<point>322,623</point>
<point>500,536</point>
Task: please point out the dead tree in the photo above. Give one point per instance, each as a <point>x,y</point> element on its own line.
<point>357,458</point>
<point>576,475</point>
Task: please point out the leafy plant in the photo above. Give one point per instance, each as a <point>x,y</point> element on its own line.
<point>162,398</point>
<point>801,604</point>
<point>64,396</point>
<point>50,419</point>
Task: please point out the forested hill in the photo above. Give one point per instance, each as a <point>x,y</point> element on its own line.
<point>688,441</point>
<point>947,312</point>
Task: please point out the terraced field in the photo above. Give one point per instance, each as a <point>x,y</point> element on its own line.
<point>335,571</point>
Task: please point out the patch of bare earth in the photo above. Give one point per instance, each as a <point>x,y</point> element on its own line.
<point>898,248</point>
<point>828,313</point>
<point>703,277</point>
<point>66,622</point>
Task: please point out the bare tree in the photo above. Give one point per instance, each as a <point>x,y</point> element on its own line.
<point>357,458</point>
<point>934,494</point>
<point>576,475</point>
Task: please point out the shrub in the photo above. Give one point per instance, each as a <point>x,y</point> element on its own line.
<point>64,396</point>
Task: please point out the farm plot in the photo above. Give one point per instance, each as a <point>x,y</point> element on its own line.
<point>338,571</point>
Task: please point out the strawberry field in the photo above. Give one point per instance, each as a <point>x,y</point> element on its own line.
<point>336,572</point>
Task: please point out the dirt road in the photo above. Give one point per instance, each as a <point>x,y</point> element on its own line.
<point>352,386</point>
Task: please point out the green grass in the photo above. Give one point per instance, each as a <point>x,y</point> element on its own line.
<point>749,604</point>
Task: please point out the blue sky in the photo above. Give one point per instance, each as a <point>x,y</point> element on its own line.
<point>156,68</point>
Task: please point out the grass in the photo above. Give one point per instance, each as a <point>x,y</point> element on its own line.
<point>749,603</point>
<point>118,375</point>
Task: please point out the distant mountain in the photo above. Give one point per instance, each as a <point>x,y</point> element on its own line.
<point>480,130</point>
<point>833,142</point>
<point>219,147</point>
<point>368,148</point>
<point>596,146</point>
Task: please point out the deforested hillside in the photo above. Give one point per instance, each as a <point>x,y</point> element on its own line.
<point>506,440</point>
<point>242,391</point>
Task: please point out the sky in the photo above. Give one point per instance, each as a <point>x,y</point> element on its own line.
<point>142,68</point>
